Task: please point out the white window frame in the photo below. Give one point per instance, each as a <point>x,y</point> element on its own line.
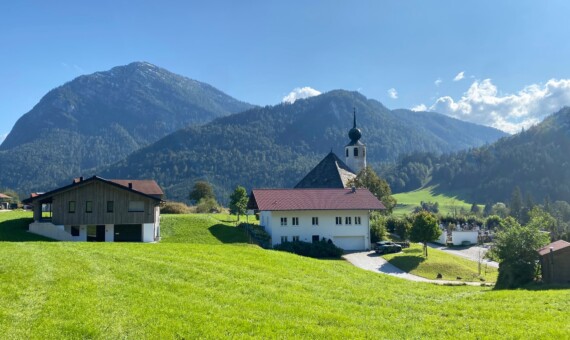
<point>296,239</point>
<point>315,221</point>
<point>295,221</point>
<point>283,221</point>
<point>338,220</point>
<point>357,220</point>
<point>348,220</point>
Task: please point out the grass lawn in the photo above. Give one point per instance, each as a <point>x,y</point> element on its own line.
<point>450,266</point>
<point>448,204</point>
<point>206,288</point>
<point>200,228</point>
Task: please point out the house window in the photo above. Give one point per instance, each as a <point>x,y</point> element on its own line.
<point>283,239</point>
<point>295,238</point>
<point>283,220</point>
<point>315,221</point>
<point>348,220</point>
<point>88,206</point>
<point>338,220</point>
<point>136,206</point>
<point>71,207</point>
<point>295,221</point>
<point>74,230</point>
<point>355,152</point>
<point>110,206</point>
<point>357,220</point>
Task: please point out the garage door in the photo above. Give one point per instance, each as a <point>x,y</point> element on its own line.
<point>349,242</point>
<point>128,233</point>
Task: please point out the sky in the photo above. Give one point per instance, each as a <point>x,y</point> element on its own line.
<point>498,63</point>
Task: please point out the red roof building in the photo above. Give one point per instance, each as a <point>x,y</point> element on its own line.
<point>339,215</point>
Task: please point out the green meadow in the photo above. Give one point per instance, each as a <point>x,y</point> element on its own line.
<point>204,281</point>
<point>450,266</point>
<point>448,203</point>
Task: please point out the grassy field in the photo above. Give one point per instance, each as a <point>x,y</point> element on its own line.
<point>448,204</point>
<point>208,288</point>
<point>450,266</point>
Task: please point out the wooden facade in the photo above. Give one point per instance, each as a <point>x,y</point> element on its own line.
<point>99,193</point>
<point>97,209</point>
<point>555,264</point>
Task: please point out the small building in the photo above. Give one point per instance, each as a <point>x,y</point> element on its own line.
<point>98,209</point>
<point>555,262</point>
<point>5,201</point>
<point>309,215</point>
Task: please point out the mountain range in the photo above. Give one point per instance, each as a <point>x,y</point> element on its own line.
<point>536,160</point>
<point>98,119</point>
<point>142,121</point>
<point>275,146</point>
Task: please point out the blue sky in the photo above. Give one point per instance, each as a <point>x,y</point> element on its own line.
<point>509,59</point>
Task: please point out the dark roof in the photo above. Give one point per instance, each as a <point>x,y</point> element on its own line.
<point>557,245</point>
<point>313,199</point>
<point>331,172</point>
<point>148,188</point>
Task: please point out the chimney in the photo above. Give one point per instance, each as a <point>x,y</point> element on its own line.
<point>130,185</point>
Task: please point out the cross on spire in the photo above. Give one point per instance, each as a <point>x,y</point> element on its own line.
<point>354,117</point>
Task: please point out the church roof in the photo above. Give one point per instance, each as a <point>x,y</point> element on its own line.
<point>331,172</point>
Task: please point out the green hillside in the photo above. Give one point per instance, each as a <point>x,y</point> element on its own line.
<point>448,203</point>
<point>211,289</point>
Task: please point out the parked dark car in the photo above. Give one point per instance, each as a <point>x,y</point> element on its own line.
<point>387,247</point>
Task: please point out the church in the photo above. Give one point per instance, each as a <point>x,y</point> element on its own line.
<point>322,204</point>
<point>332,172</point>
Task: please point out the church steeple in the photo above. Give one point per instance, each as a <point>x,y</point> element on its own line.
<point>355,151</point>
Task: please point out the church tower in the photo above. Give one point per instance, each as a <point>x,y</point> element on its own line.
<point>355,151</point>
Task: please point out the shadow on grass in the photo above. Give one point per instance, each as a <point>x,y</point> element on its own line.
<point>227,234</point>
<point>538,287</point>
<point>16,230</point>
<point>407,263</point>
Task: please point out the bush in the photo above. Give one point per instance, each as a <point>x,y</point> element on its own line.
<point>321,249</point>
<point>175,208</point>
<point>378,228</point>
<point>207,205</point>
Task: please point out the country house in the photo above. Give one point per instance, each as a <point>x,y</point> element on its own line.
<point>98,209</point>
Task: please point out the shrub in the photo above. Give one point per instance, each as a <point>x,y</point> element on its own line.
<point>378,228</point>
<point>207,205</point>
<point>175,208</point>
<point>321,249</point>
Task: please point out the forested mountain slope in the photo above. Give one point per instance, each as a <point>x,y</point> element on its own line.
<point>98,119</point>
<point>275,146</point>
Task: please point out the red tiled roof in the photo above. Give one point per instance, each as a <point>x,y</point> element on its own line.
<point>4,196</point>
<point>314,199</point>
<point>148,187</point>
<point>557,245</point>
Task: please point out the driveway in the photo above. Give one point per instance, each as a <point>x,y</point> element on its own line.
<point>371,261</point>
<point>472,253</point>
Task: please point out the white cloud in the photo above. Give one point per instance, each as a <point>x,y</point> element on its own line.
<point>393,93</point>
<point>438,82</point>
<point>2,137</point>
<point>300,93</point>
<point>421,107</point>
<point>482,104</point>
<point>459,76</point>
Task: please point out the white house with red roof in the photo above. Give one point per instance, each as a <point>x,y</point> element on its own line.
<point>341,215</point>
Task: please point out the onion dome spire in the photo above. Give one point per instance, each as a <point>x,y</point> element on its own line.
<point>354,134</point>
